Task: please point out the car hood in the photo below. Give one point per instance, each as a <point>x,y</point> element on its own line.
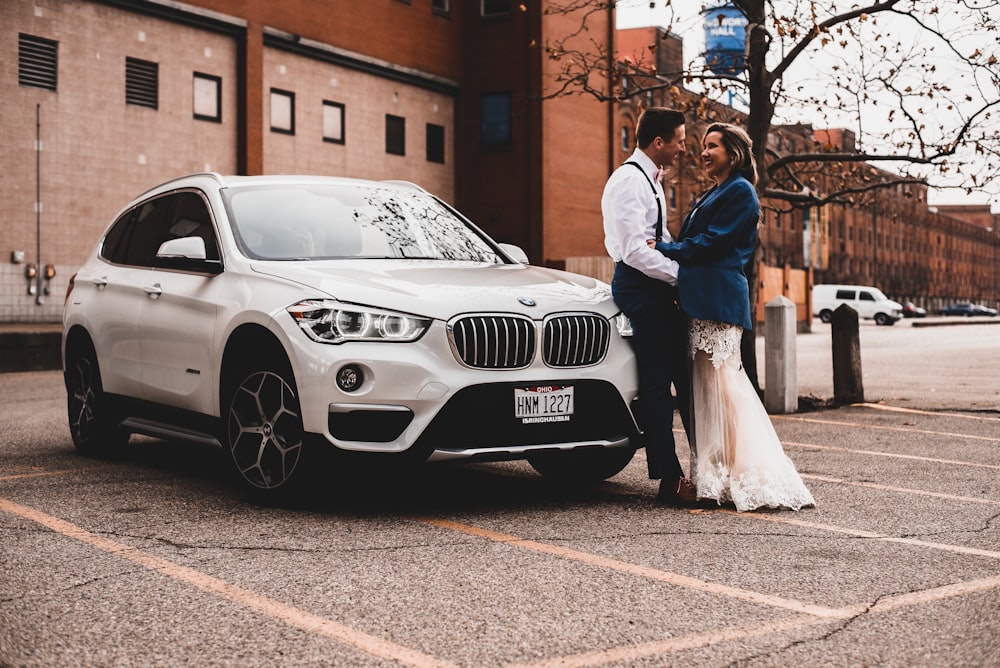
<point>442,289</point>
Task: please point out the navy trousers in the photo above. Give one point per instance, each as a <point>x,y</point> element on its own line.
<point>660,343</point>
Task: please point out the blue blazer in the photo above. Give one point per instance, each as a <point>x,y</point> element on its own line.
<point>715,243</point>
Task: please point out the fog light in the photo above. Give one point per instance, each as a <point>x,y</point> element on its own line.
<point>350,378</point>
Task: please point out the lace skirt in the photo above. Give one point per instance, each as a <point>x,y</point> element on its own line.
<point>736,456</point>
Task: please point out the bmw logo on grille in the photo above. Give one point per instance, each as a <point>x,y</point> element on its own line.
<point>527,301</point>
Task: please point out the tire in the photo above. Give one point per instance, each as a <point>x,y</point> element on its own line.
<point>882,319</point>
<point>264,435</point>
<point>581,467</point>
<point>826,315</point>
<point>92,426</point>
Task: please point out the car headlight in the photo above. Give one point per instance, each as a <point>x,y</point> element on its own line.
<point>329,321</point>
<point>624,325</point>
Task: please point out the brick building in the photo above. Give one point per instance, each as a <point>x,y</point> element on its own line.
<point>103,99</point>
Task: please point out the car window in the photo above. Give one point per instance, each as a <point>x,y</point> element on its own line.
<point>137,235</point>
<point>349,221</point>
<point>845,294</point>
<point>866,296</point>
<point>191,219</point>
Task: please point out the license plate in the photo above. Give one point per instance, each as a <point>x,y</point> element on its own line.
<point>543,403</point>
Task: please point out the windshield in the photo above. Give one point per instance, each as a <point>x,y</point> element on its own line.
<point>307,222</point>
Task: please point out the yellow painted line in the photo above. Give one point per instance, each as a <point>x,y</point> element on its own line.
<point>715,637</point>
<point>895,455</point>
<point>903,490</point>
<point>779,519</point>
<point>900,409</point>
<point>908,430</point>
<point>269,607</point>
<point>42,474</point>
<point>634,569</point>
<point>670,645</point>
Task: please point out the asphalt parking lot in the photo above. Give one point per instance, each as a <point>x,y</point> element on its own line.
<point>153,559</point>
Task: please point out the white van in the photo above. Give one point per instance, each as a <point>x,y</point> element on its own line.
<point>869,302</point>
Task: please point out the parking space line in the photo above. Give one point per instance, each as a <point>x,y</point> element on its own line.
<point>909,430</point>
<point>946,547</point>
<point>264,605</point>
<point>671,645</point>
<point>895,455</point>
<point>904,490</point>
<point>637,570</point>
<point>708,638</point>
<point>900,409</point>
<point>42,474</point>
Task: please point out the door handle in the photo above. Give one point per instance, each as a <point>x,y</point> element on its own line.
<point>153,291</point>
<point>101,282</point>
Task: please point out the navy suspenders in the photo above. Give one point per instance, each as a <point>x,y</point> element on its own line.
<point>659,207</point>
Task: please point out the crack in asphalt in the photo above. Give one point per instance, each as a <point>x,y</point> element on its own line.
<point>988,525</point>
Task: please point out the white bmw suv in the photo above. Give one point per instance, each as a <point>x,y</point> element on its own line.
<point>284,317</point>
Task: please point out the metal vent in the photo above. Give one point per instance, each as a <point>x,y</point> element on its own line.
<point>37,60</point>
<point>576,340</point>
<point>142,80</point>
<point>493,341</point>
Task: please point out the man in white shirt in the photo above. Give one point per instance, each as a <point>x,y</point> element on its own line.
<point>644,287</point>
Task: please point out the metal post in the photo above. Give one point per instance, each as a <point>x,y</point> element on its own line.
<point>38,204</point>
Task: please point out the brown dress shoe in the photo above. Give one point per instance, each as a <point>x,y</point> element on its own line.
<point>680,492</point>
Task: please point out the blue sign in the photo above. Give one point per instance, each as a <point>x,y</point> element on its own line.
<point>725,39</point>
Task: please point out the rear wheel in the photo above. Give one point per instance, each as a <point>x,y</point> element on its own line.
<point>826,315</point>
<point>92,426</point>
<point>264,433</point>
<point>582,466</point>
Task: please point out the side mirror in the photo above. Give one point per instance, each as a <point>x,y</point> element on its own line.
<point>515,253</point>
<point>187,254</point>
<point>190,248</point>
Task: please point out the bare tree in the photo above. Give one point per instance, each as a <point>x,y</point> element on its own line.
<point>917,83</point>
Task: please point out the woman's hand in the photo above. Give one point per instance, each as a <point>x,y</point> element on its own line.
<point>651,243</point>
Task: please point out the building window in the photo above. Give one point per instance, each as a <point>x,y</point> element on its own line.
<point>395,135</point>
<point>282,111</point>
<point>37,60</point>
<point>435,143</point>
<point>333,122</point>
<point>495,124</point>
<point>142,83</point>
<point>491,8</point>
<point>207,97</point>
<point>626,138</point>
<point>673,198</point>
<point>441,6</point>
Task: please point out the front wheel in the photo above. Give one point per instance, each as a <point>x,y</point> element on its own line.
<point>94,431</point>
<point>882,319</point>
<point>583,466</point>
<point>264,433</point>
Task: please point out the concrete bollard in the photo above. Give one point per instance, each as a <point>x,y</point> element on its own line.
<point>847,382</point>
<point>781,391</point>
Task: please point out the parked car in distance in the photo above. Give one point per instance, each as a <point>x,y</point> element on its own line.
<point>290,319</point>
<point>911,310</point>
<point>967,309</point>
<point>870,303</point>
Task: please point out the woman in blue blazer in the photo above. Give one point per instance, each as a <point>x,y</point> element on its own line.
<point>736,456</point>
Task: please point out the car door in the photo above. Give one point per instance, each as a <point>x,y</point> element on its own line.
<point>867,304</point>
<point>177,327</point>
<point>113,294</point>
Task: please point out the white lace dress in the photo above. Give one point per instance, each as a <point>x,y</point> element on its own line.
<point>736,456</point>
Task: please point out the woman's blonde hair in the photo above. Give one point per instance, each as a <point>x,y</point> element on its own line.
<point>737,143</point>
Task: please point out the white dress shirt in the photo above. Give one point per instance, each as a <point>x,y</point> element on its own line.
<point>629,209</point>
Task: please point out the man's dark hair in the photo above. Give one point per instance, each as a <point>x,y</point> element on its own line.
<point>657,122</point>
